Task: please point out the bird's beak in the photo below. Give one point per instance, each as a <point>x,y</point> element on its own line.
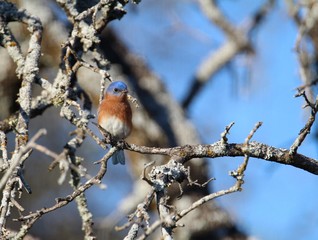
<point>123,92</point>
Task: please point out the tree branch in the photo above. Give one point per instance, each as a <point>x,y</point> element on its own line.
<point>306,129</point>
<point>238,42</point>
<point>255,149</point>
<point>31,218</point>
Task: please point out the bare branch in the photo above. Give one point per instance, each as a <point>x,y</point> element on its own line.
<point>3,147</point>
<point>238,42</point>
<point>9,179</point>
<point>141,215</point>
<point>249,137</point>
<point>16,158</point>
<point>225,133</point>
<point>308,85</point>
<point>215,150</point>
<point>169,221</point>
<point>306,129</point>
<point>255,149</point>
<point>31,218</point>
<point>161,177</point>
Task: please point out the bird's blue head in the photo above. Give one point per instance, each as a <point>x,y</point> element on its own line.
<point>117,88</point>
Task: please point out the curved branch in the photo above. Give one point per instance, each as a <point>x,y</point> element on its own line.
<point>218,149</point>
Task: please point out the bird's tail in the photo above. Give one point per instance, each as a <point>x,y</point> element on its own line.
<point>118,157</point>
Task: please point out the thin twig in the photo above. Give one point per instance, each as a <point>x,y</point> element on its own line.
<point>175,218</point>
<point>16,158</point>
<point>306,129</point>
<point>141,214</point>
<point>226,132</point>
<point>31,218</point>
<point>251,134</point>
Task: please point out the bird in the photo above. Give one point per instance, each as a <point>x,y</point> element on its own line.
<point>115,116</point>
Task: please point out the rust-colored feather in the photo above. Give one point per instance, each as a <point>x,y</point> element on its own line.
<point>115,107</point>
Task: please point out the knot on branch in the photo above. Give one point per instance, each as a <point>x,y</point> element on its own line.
<point>163,176</point>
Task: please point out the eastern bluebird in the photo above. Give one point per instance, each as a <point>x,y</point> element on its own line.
<point>114,115</point>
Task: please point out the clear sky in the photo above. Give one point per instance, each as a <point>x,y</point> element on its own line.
<point>278,201</point>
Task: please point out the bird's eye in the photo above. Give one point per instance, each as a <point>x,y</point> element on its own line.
<point>116,90</point>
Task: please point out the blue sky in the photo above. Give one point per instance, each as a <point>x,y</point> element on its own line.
<point>278,201</point>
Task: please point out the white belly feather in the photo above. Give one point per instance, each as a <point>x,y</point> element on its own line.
<point>115,127</point>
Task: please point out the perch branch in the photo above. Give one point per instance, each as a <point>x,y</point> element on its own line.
<point>215,150</point>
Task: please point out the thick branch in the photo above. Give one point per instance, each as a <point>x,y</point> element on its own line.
<point>254,149</point>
